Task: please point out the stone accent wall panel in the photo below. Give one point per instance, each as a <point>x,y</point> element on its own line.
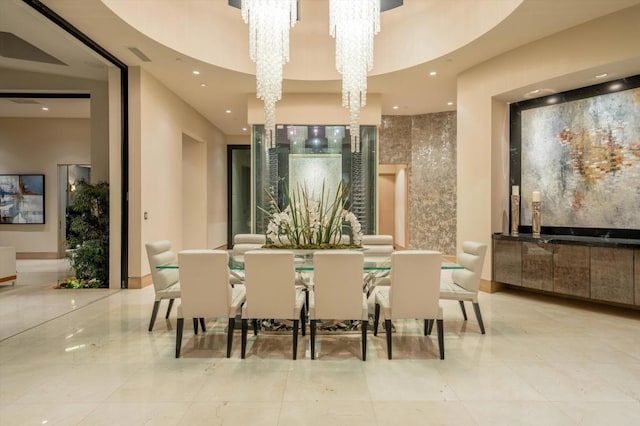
<point>432,183</point>
<point>394,144</point>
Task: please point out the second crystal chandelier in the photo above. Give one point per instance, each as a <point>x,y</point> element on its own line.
<point>269,22</point>
<point>353,23</point>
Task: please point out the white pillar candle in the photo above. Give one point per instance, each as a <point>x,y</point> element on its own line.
<point>515,190</point>
<point>536,196</point>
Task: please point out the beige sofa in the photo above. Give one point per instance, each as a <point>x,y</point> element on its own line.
<point>8,265</point>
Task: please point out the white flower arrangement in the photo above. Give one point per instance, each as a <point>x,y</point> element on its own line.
<point>307,223</point>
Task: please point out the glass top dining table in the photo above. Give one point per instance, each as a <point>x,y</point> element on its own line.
<point>305,263</point>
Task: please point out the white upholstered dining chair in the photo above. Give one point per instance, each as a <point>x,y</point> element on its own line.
<point>242,243</point>
<point>463,284</point>
<point>206,291</point>
<point>337,291</point>
<point>413,293</point>
<point>377,246</point>
<point>166,282</point>
<point>272,293</point>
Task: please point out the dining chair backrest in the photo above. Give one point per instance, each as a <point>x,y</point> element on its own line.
<point>377,245</point>
<point>415,284</point>
<point>270,283</point>
<point>159,253</point>
<point>338,281</point>
<point>472,259</point>
<point>204,283</point>
<point>242,243</point>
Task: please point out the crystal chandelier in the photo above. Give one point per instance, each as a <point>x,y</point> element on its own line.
<point>353,23</point>
<point>269,22</point>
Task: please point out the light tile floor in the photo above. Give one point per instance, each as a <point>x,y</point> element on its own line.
<point>543,361</point>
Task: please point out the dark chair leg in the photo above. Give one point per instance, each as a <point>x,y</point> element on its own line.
<point>230,327</point>
<point>313,338</point>
<point>303,321</point>
<point>464,311</point>
<point>365,326</point>
<point>387,327</point>
<point>202,325</point>
<point>254,322</point>
<point>179,336</point>
<point>441,337</point>
<point>295,339</point>
<point>154,314</point>
<point>376,319</point>
<point>428,327</point>
<point>195,326</point>
<point>476,307</point>
<point>243,339</point>
<point>169,309</point>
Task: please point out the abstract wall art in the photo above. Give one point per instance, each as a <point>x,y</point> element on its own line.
<point>581,151</point>
<point>22,199</point>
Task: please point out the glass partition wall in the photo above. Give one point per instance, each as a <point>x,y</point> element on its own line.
<point>313,156</point>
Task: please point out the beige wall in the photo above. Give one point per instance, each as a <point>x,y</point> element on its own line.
<point>238,139</point>
<point>100,109</point>
<point>159,119</point>
<point>194,188</point>
<point>38,145</point>
<point>606,44</point>
<point>315,109</point>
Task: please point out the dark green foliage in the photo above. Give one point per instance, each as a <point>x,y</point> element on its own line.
<point>89,232</point>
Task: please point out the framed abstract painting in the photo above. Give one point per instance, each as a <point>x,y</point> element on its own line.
<point>22,199</point>
<point>581,150</point>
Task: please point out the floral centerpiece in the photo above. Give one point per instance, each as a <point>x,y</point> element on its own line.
<point>312,223</point>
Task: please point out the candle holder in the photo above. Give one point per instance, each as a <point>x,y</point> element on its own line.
<point>515,214</point>
<point>537,219</point>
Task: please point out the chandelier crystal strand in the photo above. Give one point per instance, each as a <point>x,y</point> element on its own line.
<point>353,23</point>
<point>269,23</point>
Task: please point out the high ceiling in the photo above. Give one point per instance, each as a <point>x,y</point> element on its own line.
<point>455,42</point>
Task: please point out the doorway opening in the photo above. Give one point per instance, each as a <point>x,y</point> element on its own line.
<point>238,191</point>
<point>393,203</point>
<point>69,176</point>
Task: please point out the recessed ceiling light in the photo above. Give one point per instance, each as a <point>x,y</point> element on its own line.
<point>615,86</point>
<point>432,73</point>
<point>244,129</point>
<point>196,72</point>
<point>449,103</point>
<point>534,92</point>
<point>603,75</point>
<point>45,108</point>
<point>552,100</point>
<point>396,107</point>
<point>202,85</point>
<point>228,111</point>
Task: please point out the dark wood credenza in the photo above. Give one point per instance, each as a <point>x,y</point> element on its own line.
<point>593,268</point>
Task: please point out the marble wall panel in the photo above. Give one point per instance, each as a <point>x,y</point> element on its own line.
<point>427,143</point>
<point>507,262</point>
<point>394,140</point>
<point>537,266</point>
<point>432,183</point>
<point>612,274</point>
<point>571,270</point>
